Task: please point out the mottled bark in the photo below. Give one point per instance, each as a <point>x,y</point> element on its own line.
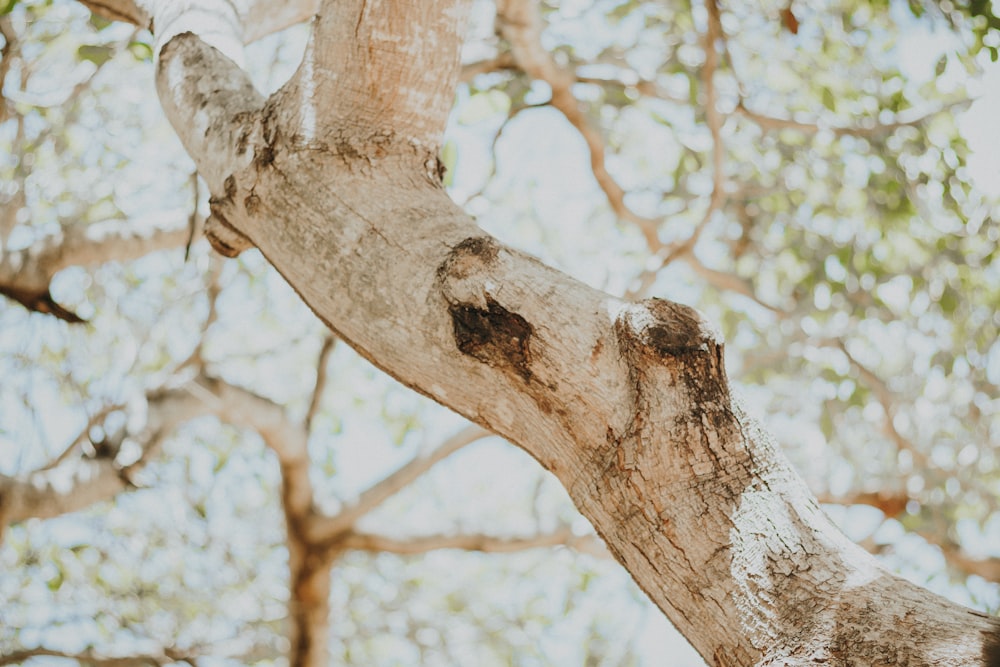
<point>335,179</point>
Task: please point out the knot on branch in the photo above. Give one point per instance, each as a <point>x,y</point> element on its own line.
<point>463,275</point>
<point>667,329</point>
<point>225,238</point>
<point>483,328</point>
<point>658,336</point>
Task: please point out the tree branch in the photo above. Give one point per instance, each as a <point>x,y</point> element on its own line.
<point>564,536</point>
<point>502,62</point>
<point>258,18</point>
<point>875,129</point>
<point>75,484</point>
<point>95,659</point>
<point>521,24</point>
<point>25,275</point>
<point>886,400</point>
<point>329,342</point>
<point>328,528</point>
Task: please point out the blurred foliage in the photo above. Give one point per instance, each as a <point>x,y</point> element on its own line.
<point>866,332</point>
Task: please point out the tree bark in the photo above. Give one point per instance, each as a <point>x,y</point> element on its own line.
<point>336,180</point>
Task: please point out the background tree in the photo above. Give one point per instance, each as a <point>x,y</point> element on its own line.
<point>824,217</point>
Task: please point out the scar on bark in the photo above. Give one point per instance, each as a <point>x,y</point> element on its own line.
<point>493,335</point>
<point>991,648</point>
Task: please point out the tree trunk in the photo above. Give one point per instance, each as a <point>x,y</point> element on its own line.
<point>336,180</point>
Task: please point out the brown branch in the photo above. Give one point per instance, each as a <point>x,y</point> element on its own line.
<point>563,536</point>
<point>894,505</point>
<point>321,374</point>
<point>96,419</point>
<point>308,563</point>
<point>25,274</point>
<point>90,657</point>
<point>502,62</point>
<point>771,123</point>
<point>728,282</point>
<point>328,528</point>
<point>77,483</point>
<point>7,54</point>
<point>886,399</point>
<point>713,116</point>
<point>889,503</point>
<point>287,439</point>
<point>520,23</point>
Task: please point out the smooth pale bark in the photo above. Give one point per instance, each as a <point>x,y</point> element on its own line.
<point>335,179</point>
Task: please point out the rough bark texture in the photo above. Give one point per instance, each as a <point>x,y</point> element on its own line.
<point>335,179</point>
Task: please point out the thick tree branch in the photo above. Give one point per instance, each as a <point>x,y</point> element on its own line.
<point>627,404</point>
<point>402,107</point>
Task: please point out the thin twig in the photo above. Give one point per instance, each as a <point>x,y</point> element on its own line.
<point>329,342</point>
<point>96,419</point>
<point>327,528</point>
<point>520,23</point>
<point>562,536</point>
<point>876,129</point>
<point>885,398</point>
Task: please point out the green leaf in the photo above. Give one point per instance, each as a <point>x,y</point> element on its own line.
<point>98,21</point>
<point>95,53</point>
<point>829,99</point>
<point>941,65</point>
<point>141,51</point>
<point>7,6</point>
<point>826,423</point>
